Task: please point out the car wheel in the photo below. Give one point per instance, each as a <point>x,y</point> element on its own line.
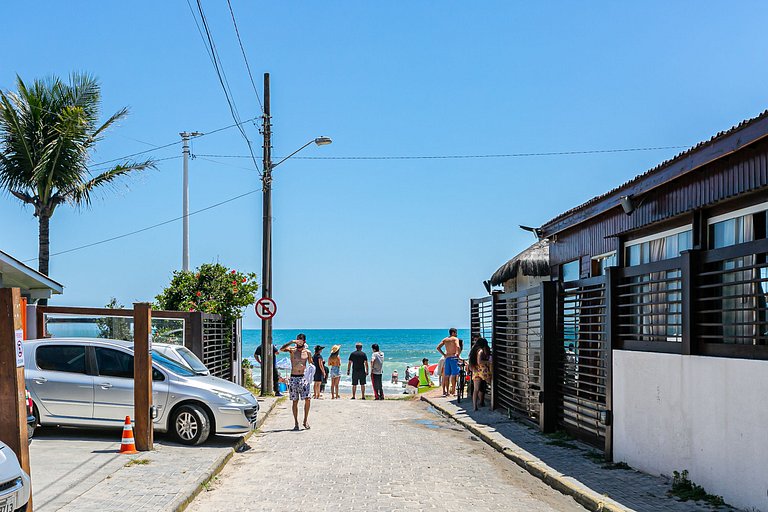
<point>191,424</point>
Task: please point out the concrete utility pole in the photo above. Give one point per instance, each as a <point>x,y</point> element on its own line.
<point>267,363</point>
<point>267,385</point>
<point>185,136</point>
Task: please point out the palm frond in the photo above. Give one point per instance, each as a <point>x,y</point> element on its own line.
<point>82,194</point>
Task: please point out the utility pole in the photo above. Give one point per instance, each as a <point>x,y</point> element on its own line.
<point>185,136</point>
<point>267,385</point>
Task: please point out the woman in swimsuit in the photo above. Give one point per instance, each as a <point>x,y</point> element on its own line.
<point>480,364</point>
<point>317,360</point>
<point>334,361</point>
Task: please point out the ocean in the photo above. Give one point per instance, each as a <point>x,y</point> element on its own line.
<point>401,347</point>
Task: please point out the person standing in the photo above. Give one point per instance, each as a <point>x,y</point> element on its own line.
<point>480,364</point>
<point>424,378</point>
<point>377,369</point>
<point>275,373</point>
<point>358,363</point>
<point>298,385</point>
<point>451,353</point>
<point>317,360</point>
<point>334,361</point>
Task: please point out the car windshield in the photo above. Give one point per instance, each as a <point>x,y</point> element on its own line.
<point>171,366</point>
<point>192,360</point>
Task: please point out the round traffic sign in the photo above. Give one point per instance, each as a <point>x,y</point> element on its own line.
<point>265,308</point>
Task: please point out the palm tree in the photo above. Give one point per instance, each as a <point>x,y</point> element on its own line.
<point>47,134</point>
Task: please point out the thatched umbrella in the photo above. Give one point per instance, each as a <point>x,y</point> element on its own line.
<point>534,261</point>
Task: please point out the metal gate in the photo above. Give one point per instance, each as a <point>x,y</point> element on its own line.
<point>584,363</point>
<point>517,352</point>
<point>481,318</point>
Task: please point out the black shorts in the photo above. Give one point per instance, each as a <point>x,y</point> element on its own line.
<point>358,378</point>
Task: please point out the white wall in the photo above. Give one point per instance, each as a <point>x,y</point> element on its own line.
<point>708,415</point>
<point>522,282</point>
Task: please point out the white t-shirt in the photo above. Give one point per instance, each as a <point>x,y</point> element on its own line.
<point>377,362</point>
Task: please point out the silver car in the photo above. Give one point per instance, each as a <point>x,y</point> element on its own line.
<point>89,383</point>
<point>14,482</point>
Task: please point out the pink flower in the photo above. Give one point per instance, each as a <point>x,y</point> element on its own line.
<point>234,283</point>
<point>191,309</point>
<point>234,272</point>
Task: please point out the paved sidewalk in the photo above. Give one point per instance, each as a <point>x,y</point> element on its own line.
<point>76,469</point>
<point>569,465</point>
<point>391,455</point>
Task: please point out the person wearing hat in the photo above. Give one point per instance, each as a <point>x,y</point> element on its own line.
<point>358,364</point>
<point>334,361</point>
<point>317,360</point>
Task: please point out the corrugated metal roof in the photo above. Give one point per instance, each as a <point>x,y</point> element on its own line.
<point>663,165</point>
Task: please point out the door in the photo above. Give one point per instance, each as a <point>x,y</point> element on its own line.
<point>60,383</point>
<point>113,386</point>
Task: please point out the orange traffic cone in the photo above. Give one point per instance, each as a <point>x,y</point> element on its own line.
<point>128,446</point>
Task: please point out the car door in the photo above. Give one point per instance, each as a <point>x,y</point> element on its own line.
<point>60,383</point>
<point>113,385</point>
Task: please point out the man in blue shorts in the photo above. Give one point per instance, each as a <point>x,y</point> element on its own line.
<point>451,353</point>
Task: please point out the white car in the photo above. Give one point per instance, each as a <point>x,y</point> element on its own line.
<point>88,382</point>
<point>182,355</point>
<point>14,482</point>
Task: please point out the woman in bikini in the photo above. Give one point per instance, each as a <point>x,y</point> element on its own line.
<point>480,364</point>
<point>334,362</point>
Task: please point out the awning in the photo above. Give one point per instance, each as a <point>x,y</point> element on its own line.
<point>33,284</point>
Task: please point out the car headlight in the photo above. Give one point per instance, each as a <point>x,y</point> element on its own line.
<point>230,398</point>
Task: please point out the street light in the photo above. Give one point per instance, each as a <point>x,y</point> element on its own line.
<point>267,387</point>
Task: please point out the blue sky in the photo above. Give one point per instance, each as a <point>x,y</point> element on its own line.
<point>391,243</point>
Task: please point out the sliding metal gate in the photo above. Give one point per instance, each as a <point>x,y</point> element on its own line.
<point>481,318</point>
<point>517,352</point>
<point>584,364</point>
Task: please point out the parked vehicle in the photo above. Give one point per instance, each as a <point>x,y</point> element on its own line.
<point>14,482</point>
<point>31,419</point>
<point>183,356</point>
<point>88,382</point>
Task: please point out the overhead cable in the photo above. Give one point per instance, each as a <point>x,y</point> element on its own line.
<point>448,157</point>
<point>159,224</point>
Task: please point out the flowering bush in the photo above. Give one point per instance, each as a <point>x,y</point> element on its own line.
<point>212,288</point>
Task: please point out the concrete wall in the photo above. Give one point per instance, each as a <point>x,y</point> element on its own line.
<point>708,415</point>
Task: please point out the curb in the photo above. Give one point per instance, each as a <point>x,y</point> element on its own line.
<point>183,502</point>
<point>567,485</point>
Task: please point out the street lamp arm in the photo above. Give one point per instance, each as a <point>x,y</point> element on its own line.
<point>320,141</point>
<point>289,156</point>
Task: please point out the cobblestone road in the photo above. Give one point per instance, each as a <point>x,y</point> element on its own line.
<point>387,455</point>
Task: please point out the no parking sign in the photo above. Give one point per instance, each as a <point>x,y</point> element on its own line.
<point>265,308</point>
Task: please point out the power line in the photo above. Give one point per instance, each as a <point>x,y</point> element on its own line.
<point>221,75</point>
<point>157,148</point>
<point>448,157</point>
<point>242,50</point>
<point>154,226</point>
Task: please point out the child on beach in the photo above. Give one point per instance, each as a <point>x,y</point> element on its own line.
<point>334,361</point>
<point>425,380</point>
